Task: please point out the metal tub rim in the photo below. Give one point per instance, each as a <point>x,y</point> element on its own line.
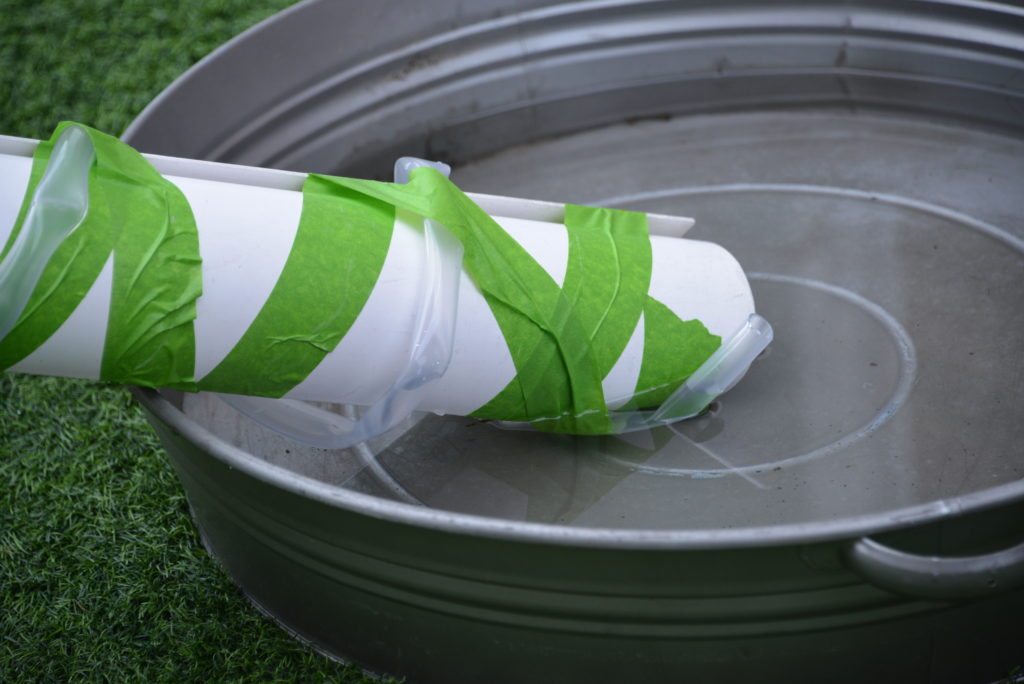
<point>849,528</point>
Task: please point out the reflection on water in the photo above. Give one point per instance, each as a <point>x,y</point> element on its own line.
<point>784,410</point>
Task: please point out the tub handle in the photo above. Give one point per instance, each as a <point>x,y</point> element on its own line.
<point>934,577</point>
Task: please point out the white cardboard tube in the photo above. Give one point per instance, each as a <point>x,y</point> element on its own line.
<point>247,219</point>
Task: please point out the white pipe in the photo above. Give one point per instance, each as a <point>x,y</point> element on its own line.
<point>247,218</point>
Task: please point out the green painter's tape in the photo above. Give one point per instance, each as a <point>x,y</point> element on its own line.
<point>148,225</point>
<point>606,281</point>
<point>562,342</point>
<point>68,275</point>
<point>339,249</point>
<point>608,275</point>
<point>540,329</point>
<point>673,350</point>
<point>157,272</point>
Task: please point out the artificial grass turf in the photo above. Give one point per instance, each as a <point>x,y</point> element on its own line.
<point>104,577</point>
<point>102,574</point>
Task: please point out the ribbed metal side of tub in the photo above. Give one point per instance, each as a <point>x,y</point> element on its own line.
<point>438,601</point>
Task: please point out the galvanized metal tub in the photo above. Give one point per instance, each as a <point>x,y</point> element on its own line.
<point>853,509</point>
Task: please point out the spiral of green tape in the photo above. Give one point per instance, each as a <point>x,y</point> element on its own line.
<point>563,339</point>
<point>338,252</point>
<point>145,223</point>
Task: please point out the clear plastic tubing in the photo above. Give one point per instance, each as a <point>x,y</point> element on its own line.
<point>430,352</point>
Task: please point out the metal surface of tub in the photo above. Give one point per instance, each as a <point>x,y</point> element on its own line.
<point>851,510</point>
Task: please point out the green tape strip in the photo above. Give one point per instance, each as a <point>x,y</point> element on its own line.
<point>608,275</point>
<point>68,275</point>
<point>148,225</point>
<point>339,249</point>
<point>540,328</point>
<point>562,341</point>
<point>606,281</point>
<point>157,272</point>
<point>673,350</point>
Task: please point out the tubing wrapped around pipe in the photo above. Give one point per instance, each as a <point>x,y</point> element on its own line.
<point>574,346</point>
